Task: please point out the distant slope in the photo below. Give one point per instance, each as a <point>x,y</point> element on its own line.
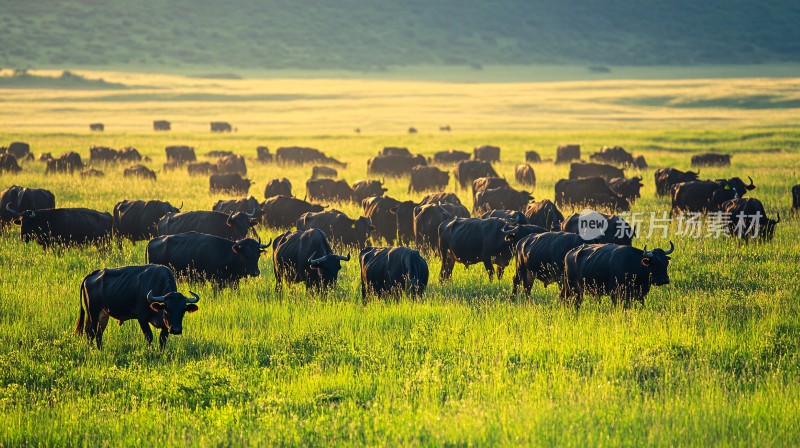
<point>371,35</point>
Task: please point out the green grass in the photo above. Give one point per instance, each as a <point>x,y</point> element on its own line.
<point>711,359</point>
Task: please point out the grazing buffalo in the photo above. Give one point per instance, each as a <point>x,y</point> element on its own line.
<point>615,155</point>
<point>8,164</point>
<point>525,175</point>
<point>22,199</point>
<point>305,257</point>
<point>450,157</point>
<point>615,229</point>
<point>45,157</point>
<point>201,168</point>
<point>20,150</point>
<point>445,128</point>
<point>323,171</point>
<point>379,210</point>
<point>487,183</point>
<point>711,159</point>
<point>438,198</point>
<point>102,154</point>
<point>146,293</point>
<point>278,187</point>
<point>404,212</point>
<point>427,219</point>
<point>218,154</point>
<point>234,227</point>
<point>412,130</point>
<point>541,256</point>
<point>514,217</point>
<point>283,211</point>
<point>532,157</point>
<point>544,214</point>
<point>424,178</point>
<point>67,163</point>
<point>469,170</point>
<point>394,165</point>
<point>232,165</point>
<point>389,270</point>
<point>706,195</point>
<point>627,188</point>
<point>796,197</point>
<point>172,166</point>
<point>667,177</point>
<point>207,257</point>
<point>63,226</point>
<point>139,171</point>
<point>363,189</point>
<point>504,198</point>
<point>91,172</point>
<point>338,227</point>
<point>748,218</point>
<point>474,240</point>
<point>180,154</point>
<point>162,125</point>
<point>640,163</point>
<point>138,220</point>
<point>584,170</point>
<point>394,151</point>
<point>568,153</point>
<point>300,155</point>
<point>221,126</point>
<point>486,153</point>
<point>129,154</point>
<point>263,155</point>
<point>623,272</point>
<point>244,205</point>
<point>324,190</point>
<point>592,191</point>
<point>229,183</point>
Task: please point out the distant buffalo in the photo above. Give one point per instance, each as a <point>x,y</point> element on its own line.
<point>283,212</point>
<point>667,177</point>
<point>568,153</point>
<point>201,168</point>
<point>97,127</point>
<point>278,187</point>
<point>469,170</point>
<point>487,153</point>
<point>583,170</point>
<point>230,183</point>
<point>532,157</point>
<point>263,155</point>
<point>323,171</point>
<point>394,165</point>
<point>450,157</point>
<point>69,162</point>
<point>221,126</point>
<point>139,171</point>
<point>711,159</point>
<point>525,175</point>
<point>180,154</point>
<point>232,165</point>
<point>425,178</point>
<point>162,125</point>
<point>615,155</point>
<point>8,164</point>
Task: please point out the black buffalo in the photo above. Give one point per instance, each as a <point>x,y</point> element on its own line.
<point>514,217</point>
<point>592,191</point>
<point>640,163</point>
<point>623,272</point>
<point>425,178</point>
<point>324,190</point>
<point>525,175</point>
<point>404,212</point>
<point>379,210</point>
<point>22,199</point>
<point>20,150</point>
<point>63,226</point>
<point>338,226</point>
<point>283,212</point>
<point>98,127</point>
<point>323,171</point>
<point>221,126</point>
<point>796,197</point>
<point>278,187</point>
<point>8,164</point>
<point>544,214</point>
<point>541,256</point>
<point>91,172</point>
<point>427,219</point>
<point>468,170</point>
<point>232,165</point>
<point>711,159</point>
<point>243,205</point>
<point>505,198</point>
<point>139,171</point>
<point>667,177</point>
<point>301,155</point>
<point>146,293</point>
<point>486,153</point>
<point>486,183</point>
<point>627,188</point>
<point>201,168</point>
<point>162,125</point>
<point>207,257</point>
<point>229,183</point>
<point>388,270</point>
<point>138,220</point>
<point>450,157</point>
<point>69,162</point>
<point>363,189</point>
<point>615,155</point>
<point>471,241</point>
<point>305,257</point>
<point>263,155</point>
<point>568,153</point>
<point>438,198</point>
<point>584,170</point>
<point>233,227</point>
<point>748,219</point>
<point>615,229</point>
<point>394,151</point>
<point>706,195</point>
<point>532,157</point>
<point>394,165</point>
<point>180,154</point>
<point>102,154</point>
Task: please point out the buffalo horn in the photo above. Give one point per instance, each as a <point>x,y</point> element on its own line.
<point>345,258</point>
<point>265,246</point>
<point>671,249</point>
<point>154,299</point>
<point>195,299</point>
<point>253,213</point>
<point>316,260</point>
<point>11,210</point>
<point>779,218</point>
<point>751,181</point>
<point>181,207</point>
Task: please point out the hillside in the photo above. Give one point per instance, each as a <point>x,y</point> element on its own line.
<point>360,35</point>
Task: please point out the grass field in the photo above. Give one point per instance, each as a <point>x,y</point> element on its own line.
<point>712,358</point>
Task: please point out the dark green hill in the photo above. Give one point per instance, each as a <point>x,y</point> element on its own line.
<point>371,35</point>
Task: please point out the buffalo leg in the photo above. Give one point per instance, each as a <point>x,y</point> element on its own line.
<point>447,266</point>
<point>162,338</point>
<point>102,321</point>
<point>500,270</point>
<point>519,275</point>
<point>489,269</point>
<point>148,333</point>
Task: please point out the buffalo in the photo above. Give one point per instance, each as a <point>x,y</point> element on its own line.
<point>22,199</point>
<point>138,220</point>
<point>796,197</point>
<point>318,190</point>
<point>201,168</point>
<point>568,153</point>
<point>474,240</point>
<point>640,163</point>
<point>300,155</point>
<point>614,229</point>
<point>584,170</point>
<point>229,183</point>
<point>623,272</point>
<point>394,165</point>
<point>207,257</point>
<point>278,187</point>
<point>532,157</point>
<point>615,155</point>
<point>180,154</point>
<point>427,219</point>
<point>232,165</point>
<point>63,226</point>
<point>8,164</point>
<point>667,177</point>
<point>525,175</point>
<point>387,270</point>
<point>468,170</point>
<point>97,127</point>
<point>363,189</point>
<point>338,227</point>
<point>221,126</point>
<point>486,183</point>
<point>244,205</point>
<point>283,211</point>
<point>91,172</point>
<point>544,214</point>
<point>749,218</point>
<point>541,256</point>
<point>404,212</point>
<point>450,157</point>
<point>592,191</point>
<point>486,153</point>
<point>323,171</point>
<point>102,154</point>
<point>379,210</point>
<point>20,150</point>
<point>305,257</point>
<point>425,178</point>
<point>162,125</point>
<point>505,198</point>
<point>234,226</point>
<point>263,155</point>
<point>139,171</point>
<point>627,188</point>
<point>67,163</point>
<point>711,159</point>
<point>706,195</point>
<point>146,293</point>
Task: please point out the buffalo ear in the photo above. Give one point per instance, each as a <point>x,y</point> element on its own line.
<point>191,308</point>
<point>236,248</point>
<point>645,261</point>
<point>157,307</point>
<point>393,210</point>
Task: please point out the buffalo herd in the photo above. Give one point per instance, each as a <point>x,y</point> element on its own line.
<point>505,226</point>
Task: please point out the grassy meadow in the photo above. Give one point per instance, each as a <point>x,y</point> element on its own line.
<point>711,359</point>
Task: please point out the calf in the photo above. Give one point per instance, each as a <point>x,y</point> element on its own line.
<point>305,257</point>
